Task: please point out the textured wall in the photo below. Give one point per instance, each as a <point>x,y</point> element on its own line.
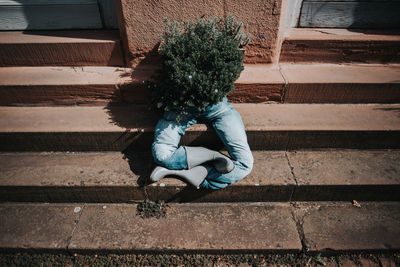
<point>141,23</point>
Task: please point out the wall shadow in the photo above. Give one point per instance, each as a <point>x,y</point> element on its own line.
<point>390,109</point>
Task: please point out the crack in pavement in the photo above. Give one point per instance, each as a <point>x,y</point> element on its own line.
<point>299,221</point>
<point>291,168</point>
<point>73,230</point>
<point>293,176</point>
<point>286,85</point>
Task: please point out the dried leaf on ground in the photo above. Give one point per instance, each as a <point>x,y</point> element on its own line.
<point>356,204</point>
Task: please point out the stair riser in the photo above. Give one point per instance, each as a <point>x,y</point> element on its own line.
<point>342,93</point>
<point>336,51</point>
<point>286,83</point>
<point>61,54</point>
<point>258,140</point>
<point>54,95</point>
<point>135,93</point>
<point>234,193</point>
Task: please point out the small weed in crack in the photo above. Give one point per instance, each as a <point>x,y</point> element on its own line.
<point>315,260</point>
<point>149,209</point>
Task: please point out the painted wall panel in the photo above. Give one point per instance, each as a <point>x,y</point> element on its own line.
<point>46,2</point>
<point>108,14</point>
<point>293,14</point>
<point>49,15</point>
<point>350,14</point>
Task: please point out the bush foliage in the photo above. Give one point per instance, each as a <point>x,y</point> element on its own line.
<point>200,62</point>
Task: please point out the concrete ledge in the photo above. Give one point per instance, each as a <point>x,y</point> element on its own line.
<point>116,177</point>
<point>340,45</point>
<point>36,227</point>
<point>101,85</point>
<point>287,83</point>
<point>118,228</point>
<point>339,175</point>
<point>60,48</point>
<point>203,228</point>
<point>344,227</point>
<point>60,85</point>
<point>275,126</point>
<point>335,83</point>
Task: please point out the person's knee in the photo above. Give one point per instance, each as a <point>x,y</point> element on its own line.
<point>162,156</point>
<point>169,157</point>
<point>220,181</point>
<point>245,166</point>
<point>213,185</point>
<point>246,162</point>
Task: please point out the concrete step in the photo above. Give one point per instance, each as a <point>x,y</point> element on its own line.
<point>60,48</point>
<point>341,45</point>
<point>100,85</point>
<point>218,228</point>
<point>335,83</point>
<point>60,85</point>
<point>285,83</point>
<point>324,175</point>
<point>274,126</point>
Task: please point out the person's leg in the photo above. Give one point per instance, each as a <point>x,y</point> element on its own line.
<point>194,176</point>
<point>175,160</point>
<point>199,155</point>
<point>165,148</point>
<point>229,127</point>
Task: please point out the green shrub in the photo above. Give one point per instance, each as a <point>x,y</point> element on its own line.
<point>200,63</point>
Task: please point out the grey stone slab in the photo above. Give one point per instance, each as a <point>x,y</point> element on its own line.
<point>115,168</point>
<point>71,169</point>
<point>346,167</point>
<point>275,126</point>
<point>346,174</point>
<point>270,168</point>
<point>37,226</point>
<point>118,177</point>
<point>188,227</point>
<point>344,227</point>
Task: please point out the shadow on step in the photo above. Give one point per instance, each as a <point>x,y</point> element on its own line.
<point>141,164</point>
<point>395,110</point>
<point>129,109</point>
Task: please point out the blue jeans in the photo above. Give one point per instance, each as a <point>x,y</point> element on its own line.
<point>230,129</point>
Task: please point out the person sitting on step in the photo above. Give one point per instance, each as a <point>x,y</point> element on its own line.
<point>200,63</point>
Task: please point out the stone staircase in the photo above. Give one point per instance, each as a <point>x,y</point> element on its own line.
<point>75,152</point>
<point>333,45</point>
